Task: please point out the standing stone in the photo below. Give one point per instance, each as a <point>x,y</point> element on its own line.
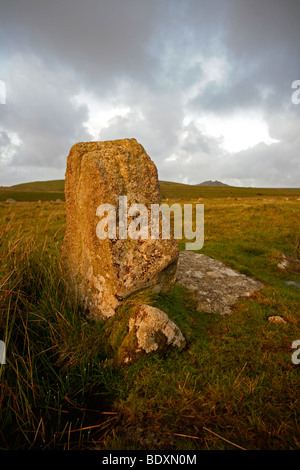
<point>104,272</point>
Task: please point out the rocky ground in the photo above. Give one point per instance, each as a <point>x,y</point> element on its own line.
<point>216,287</point>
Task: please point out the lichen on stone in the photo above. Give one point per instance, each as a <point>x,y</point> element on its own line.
<point>150,330</point>
<point>105,272</point>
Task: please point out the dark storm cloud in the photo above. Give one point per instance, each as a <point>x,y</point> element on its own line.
<point>99,39</point>
<point>259,27</point>
<point>105,41</point>
<point>262,46</point>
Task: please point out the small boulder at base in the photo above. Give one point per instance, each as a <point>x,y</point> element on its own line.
<point>150,330</point>
<point>105,271</point>
<point>276,319</point>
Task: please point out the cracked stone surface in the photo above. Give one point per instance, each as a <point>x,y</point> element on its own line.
<point>217,287</point>
<point>150,320</point>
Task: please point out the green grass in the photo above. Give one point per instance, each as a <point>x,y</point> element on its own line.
<point>25,196</point>
<point>36,191</point>
<point>233,386</point>
<point>184,191</point>
<point>40,186</point>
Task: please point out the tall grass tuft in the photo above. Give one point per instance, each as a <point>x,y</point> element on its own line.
<point>56,367</point>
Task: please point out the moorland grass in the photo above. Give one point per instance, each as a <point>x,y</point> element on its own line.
<point>234,386</point>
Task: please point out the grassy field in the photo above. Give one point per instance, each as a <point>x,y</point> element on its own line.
<point>36,191</point>
<point>233,387</point>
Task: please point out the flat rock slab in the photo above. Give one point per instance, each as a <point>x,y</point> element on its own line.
<point>217,288</point>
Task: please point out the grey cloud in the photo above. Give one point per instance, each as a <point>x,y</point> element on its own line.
<point>262,166</point>
<point>100,39</point>
<point>263,28</point>
<point>155,119</point>
<point>261,44</point>
<point>275,165</point>
<point>7,147</point>
<point>181,152</point>
<point>5,141</point>
<point>236,93</point>
<point>195,159</point>
<point>41,111</point>
<point>108,40</point>
<point>55,50</point>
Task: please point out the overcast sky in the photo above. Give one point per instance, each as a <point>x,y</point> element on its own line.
<point>204,86</point>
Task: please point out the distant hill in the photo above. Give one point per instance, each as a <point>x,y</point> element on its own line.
<point>36,191</point>
<point>212,183</point>
<point>48,186</point>
<point>54,190</point>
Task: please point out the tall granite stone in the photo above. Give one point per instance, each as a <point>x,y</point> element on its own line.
<point>103,272</point>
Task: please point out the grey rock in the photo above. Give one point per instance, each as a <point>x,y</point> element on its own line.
<point>104,272</point>
<point>288,263</point>
<point>150,330</point>
<point>216,287</point>
<point>148,321</point>
<point>293,283</point>
<point>276,319</point>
